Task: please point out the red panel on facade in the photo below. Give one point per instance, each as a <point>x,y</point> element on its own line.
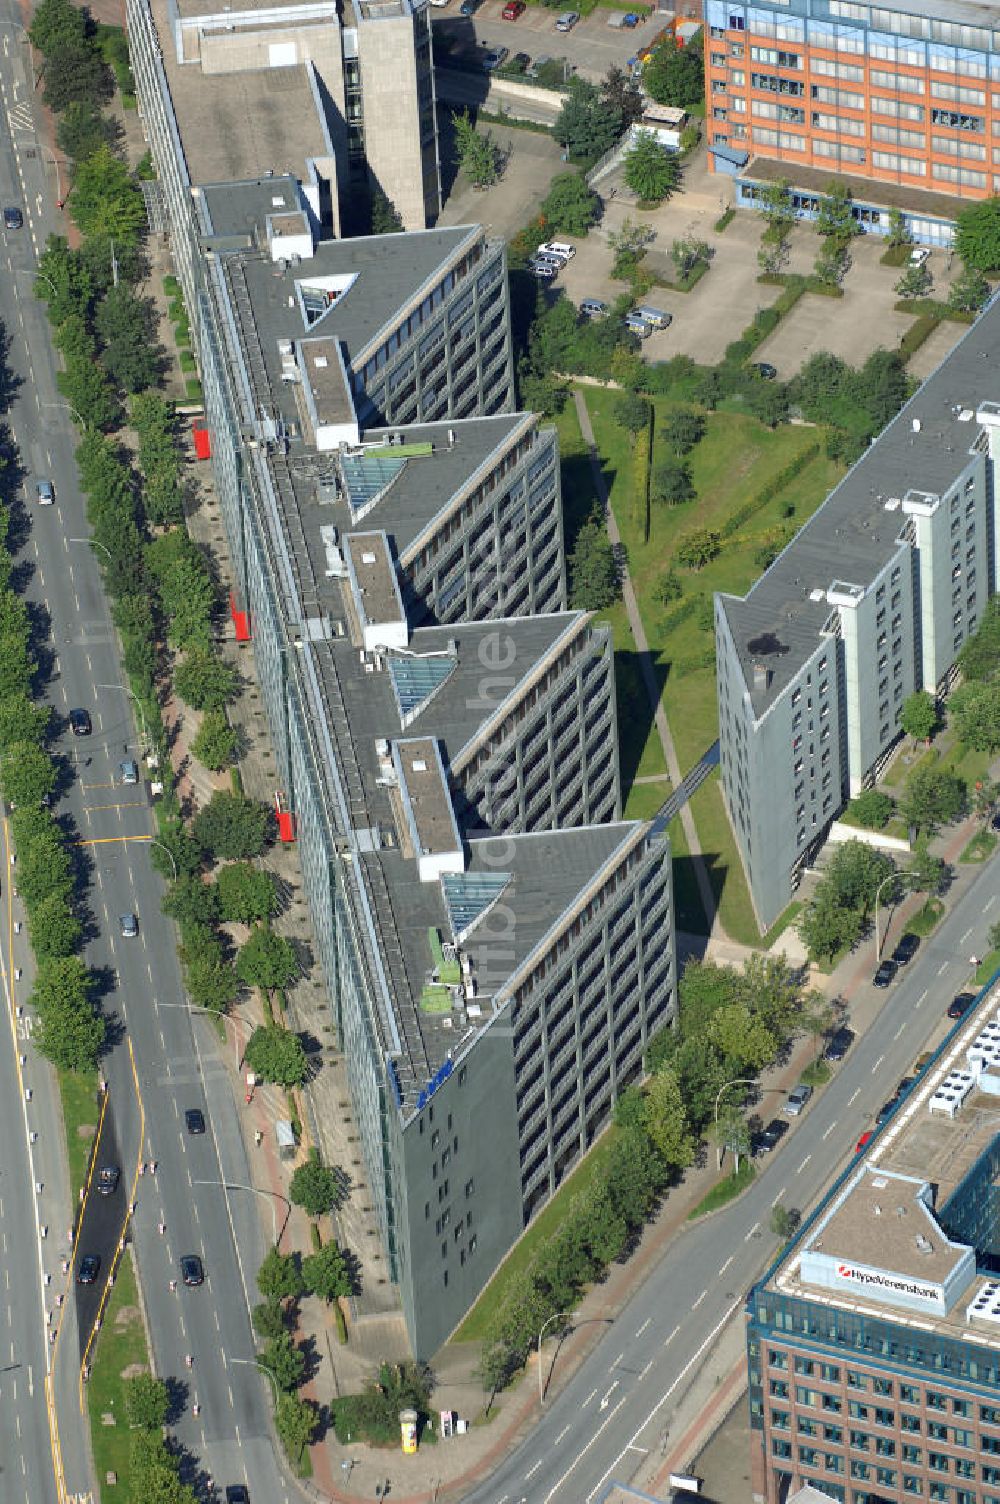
<point>286,825</point>
<point>202,441</point>
<point>241,620</point>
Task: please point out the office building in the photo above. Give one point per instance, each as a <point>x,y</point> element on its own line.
<point>341,98</point>
<point>904,97</point>
<point>871,600</point>
<point>874,1360</point>
<point>497,943</point>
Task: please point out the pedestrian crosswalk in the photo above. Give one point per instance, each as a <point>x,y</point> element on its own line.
<point>20,117</point>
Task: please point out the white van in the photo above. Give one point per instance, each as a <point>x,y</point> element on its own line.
<point>558,249</point>
<point>635,324</point>
<point>655,317</point>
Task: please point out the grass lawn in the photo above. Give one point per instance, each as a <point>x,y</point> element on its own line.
<point>817,1073</point>
<point>725,1191</point>
<point>725,868</point>
<point>905,762</point>
<point>781,923</point>
<point>645,799</point>
<point>731,464</point>
<point>987,966</point>
<point>80,1114</point>
<point>121,1346</point>
<point>982,845</point>
<point>512,1271</point>
<point>688,908</point>
<point>926,917</point>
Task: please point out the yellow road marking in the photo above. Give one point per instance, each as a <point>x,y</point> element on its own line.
<point>107,840</point>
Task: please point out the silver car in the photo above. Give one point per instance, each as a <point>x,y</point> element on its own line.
<point>797,1099</point>
<point>567,20</point>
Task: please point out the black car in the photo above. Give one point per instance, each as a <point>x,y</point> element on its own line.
<point>194,1120</point>
<point>840,1043</point>
<point>906,949</point>
<point>469,7</point>
<point>886,1110</point>
<point>107,1179</point>
<point>904,1086</point>
<point>13,219</point>
<point>89,1269</point>
<point>960,1004</point>
<point>768,1138</point>
<point>237,1493</point>
<point>885,974</point>
<point>765,370</point>
<point>79,722</point>
<point>192,1272</point>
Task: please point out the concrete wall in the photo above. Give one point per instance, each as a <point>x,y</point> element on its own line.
<point>397,90</point>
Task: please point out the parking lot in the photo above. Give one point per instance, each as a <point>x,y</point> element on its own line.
<point>591,48</point>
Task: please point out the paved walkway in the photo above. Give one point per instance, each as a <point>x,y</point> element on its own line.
<point>646,668</point>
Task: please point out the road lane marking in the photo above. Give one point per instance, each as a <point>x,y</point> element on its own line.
<point>803,1164</point>
<point>698,1302</point>
<point>920,998</point>
<point>877,1064</point>
<point>726,1265</point>
<point>967,934</point>
<point>645,1324</point>
<point>899,1031</point>
<point>855,1097</point>
<point>645,1370</point>
<point>606,1398</point>
<point>754,1229</point>
<point>673,1334</point>
<point>587,1401</point>
<point>564,1432</point>
<point>942,968</point>
<point>533,1470</point>
<point>989,904</point>
<point>828,1132</point>
<point>779,1195</point>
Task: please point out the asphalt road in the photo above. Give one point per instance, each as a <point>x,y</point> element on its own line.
<point>177,1060</point>
<point>617,1408</point>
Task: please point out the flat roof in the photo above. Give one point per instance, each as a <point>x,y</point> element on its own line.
<point>204,10</point>
<point>426,797</point>
<point>915,1148</point>
<point>236,125</point>
<point>853,536</point>
<point>327,381</point>
<point>918,202</point>
<point>378,599</point>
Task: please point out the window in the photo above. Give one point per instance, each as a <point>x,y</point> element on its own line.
<point>860,1441</point>
<point>780,1420</point>
<point>857,1380</point>
<point>911,1484</point>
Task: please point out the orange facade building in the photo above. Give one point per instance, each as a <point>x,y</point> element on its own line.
<point>904,96</point>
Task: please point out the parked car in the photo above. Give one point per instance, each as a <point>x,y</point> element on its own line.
<point>519,62</point>
<point>885,974</point>
<point>655,317</point>
<point>840,1043</point>
<point>494,58</point>
<point>886,1110</point>
<point>797,1099</point>
<point>919,255</point>
<point>960,1004</point>
<point>635,325</point>
<point>541,61</point>
<point>865,1138</point>
<point>512,10</point>
<point>567,20</point>
<point>905,1085</point>
<point>108,1177</point>
<point>561,250</point>
<point>907,948</point>
<point>768,1138</point>
<point>593,308</point>
<point>129,771</point>
<point>765,370</point>
<point>543,270</point>
<point>469,7</point>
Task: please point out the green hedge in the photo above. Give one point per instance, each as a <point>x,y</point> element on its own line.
<point>918,332</point>
<point>641,457</point>
<point>724,221</point>
<point>767,493</point>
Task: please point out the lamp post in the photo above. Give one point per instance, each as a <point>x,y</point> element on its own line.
<point>256,1363</point>
<point>210,1012</point>
<point>738,1081</point>
<point>124,689</point>
<point>36,276</point>
<point>68,407</point>
<point>91,542</point>
<point>173,863</point>
<point>556,1316</point>
<point>55,163</point>
<point>891,877</point>
<point>234,1185</point>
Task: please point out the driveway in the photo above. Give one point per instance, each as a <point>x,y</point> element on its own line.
<point>532,161</point>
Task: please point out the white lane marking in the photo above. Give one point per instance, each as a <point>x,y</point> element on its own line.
<point>606,1398</point>
<point>967,934</point>
<point>645,1370</point>
<point>673,1334</point>
<point>779,1195</point>
<point>942,968</point>
<point>855,1097</point>
<point>877,1064</point>
<point>645,1324</point>
<point>564,1432</point>
<point>726,1265</point>
<point>828,1132</point>
<point>754,1229</point>
<point>920,998</point>
<point>698,1302</point>
<point>532,1470</point>
<point>590,1396</point>
<point>989,904</point>
<point>803,1164</point>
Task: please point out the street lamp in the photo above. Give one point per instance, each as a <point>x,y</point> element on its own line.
<point>739,1081</point>
<point>256,1363</point>
<point>124,689</point>
<point>36,276</point>
<point>891,877</point>
<point>556,1316</point>
<point>173,863</point>
<point>55,163</point>
<point>90,542</point>
<point>68,406</point>
<point>234,1185</point>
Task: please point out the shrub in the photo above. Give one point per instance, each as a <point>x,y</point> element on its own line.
<point>872,809</point>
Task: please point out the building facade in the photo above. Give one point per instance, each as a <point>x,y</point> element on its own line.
<point>874,1369</point>
<point>815,663</point>
<point>897,94</point>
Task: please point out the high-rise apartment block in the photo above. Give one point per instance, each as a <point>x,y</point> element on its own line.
<point>874,1360</point>
<point>871,600</point>
<point>902,94</point>
<point>496,941</point>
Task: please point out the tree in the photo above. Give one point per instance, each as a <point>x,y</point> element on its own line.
<point>204,681</point>
<point>268,1318</point>
<point>622,96</point>
<point>246,893</point>
<point>215,743</point>
<point>926,871</point>
<point>931,798</point>
<point>27,774</point>
<point>56,22</point>
<point>75,73</point>
<point>672,483</point>
<point>834,218</point>
<point>682,429</point>
<point>477,152</point>
<point>295,1421</point>
<point>826,927</point>
<point>743,1040</point>
<point>279,1276</point>
<point>916,282</point>
<point>386,218</point>
<point>188,598</point>
<point>733,1133</point>
<point>969,291</point>
<point>772,258</point>
<point>854,874</point>
<point>82,129</point>
<point>669,588</point>
<point>211,982</point>
<point>687,253</point>
<point>127,327</point>
<point>147,1402</point>
<point>190,900</point>
<point>899,231</point>
<point>833,263</point>
<point>975,715</point>
<point>629,244</point>
<point>314,1187</point>
<point>666,1120</point>
<point>571,206</point>
<point>68,1032</point>
<point>984,797</point>
<point>182,853</point>
<point>275,1054</point>
<point>106,199</point>
<point>327,1273</point>
<point>632,412</point>
<point>673,75</point>
<point>586,126</point>
<point>873,809</point>
<point>593,572</point>
<point>919,717</point>
<point>977,235</point>
<point>266,960</point>
<point>285,1362</point>
<point>698,548</point>
<point>54,928</point>
<point>652,171</point>
<point>775,204</point>
<point>784,1221</point>
<point>231,826</point>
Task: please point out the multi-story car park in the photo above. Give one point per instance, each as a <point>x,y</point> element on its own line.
<point>871,600</point>
<point>902,94</point>
<point>346,95</point>
<point>874,1360</point>
<point>497,943</point>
